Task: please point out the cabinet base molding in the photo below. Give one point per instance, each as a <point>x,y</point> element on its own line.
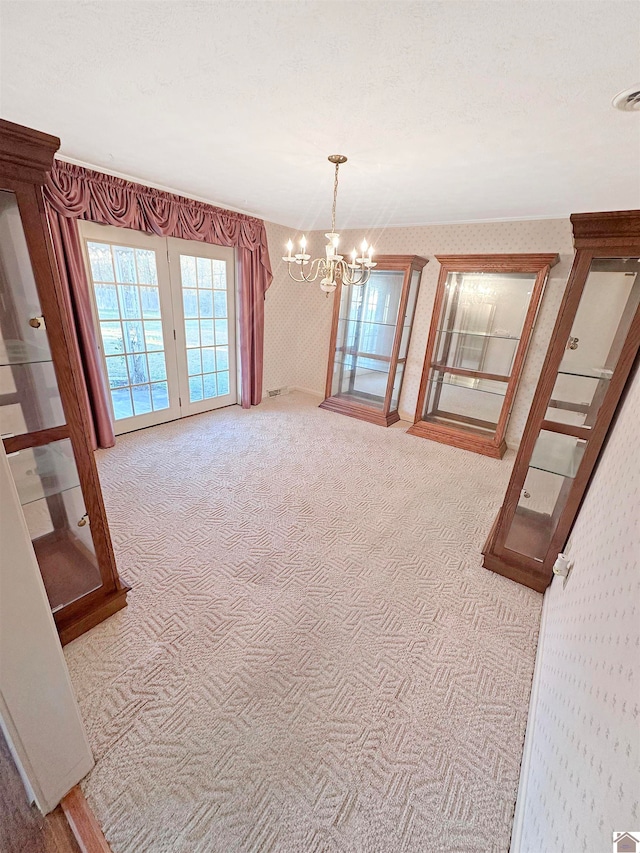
<point>362,413</point>
<point>73,627</point>
<point>538,581</point>
<point>84,826</point>
<point>457,438</point>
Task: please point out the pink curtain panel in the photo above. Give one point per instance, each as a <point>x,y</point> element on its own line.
<point>73,192</point>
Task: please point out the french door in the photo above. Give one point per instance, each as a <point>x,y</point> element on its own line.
<point>203,295</point>
<point>164,310</point>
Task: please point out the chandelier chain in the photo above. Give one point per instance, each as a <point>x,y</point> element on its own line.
<point>335,199</point>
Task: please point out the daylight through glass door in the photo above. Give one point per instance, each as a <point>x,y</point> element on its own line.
<point>128,304</point>
<point>166,331</point>
<point>205,332</point>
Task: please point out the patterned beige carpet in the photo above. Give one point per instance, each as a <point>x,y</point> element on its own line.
<point>312,658</point>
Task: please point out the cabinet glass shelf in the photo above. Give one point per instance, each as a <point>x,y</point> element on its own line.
<point>601,373</point>
<point>489,386</point>
<point>353,351</point>
<point>557,453</point>
<point>22,352</point>
<point>41,472</point>
<point>43,409</point>
<point>478,334</point>
<point>362,366</point>
<point>366,322</point>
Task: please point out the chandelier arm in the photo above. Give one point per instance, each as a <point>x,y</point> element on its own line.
<point>307,278</point>
<point>362,278</point>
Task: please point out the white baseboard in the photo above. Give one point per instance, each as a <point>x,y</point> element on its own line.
<point>518,818</point>
<point>310,391</point>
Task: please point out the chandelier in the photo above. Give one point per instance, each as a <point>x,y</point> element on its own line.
<point>476,291</point>
<point>333,268</point>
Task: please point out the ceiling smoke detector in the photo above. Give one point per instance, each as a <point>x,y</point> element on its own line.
<point>629,100</point>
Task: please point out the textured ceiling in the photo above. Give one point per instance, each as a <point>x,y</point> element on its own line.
<point>448,111</point>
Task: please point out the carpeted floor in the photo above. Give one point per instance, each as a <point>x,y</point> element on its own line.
<point>312,658</point>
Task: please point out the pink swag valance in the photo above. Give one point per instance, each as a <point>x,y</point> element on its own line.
<point>73,192</point>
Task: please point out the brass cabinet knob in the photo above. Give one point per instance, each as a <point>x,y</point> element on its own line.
<point>573,343</point>
<point>84,520</point>
<point>36,322</point>
<point>525,493</point>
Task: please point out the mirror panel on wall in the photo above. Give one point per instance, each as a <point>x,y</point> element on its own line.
<point>370,340</point>
<point>482,321</point>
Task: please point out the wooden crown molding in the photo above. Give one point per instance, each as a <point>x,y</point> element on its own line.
<point>400,261</point>
<point>498,263</point>
<point>614,227</point>
<point>26,149</point>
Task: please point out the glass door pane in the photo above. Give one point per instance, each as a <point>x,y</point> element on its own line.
<point>204,307</point>
<point>478,333</point>
<point>29,398</point>
<point>609,301</point>
<point>48,487</point>
<point>44,469</point>
<point>132,302</point>
<point>366,331</point>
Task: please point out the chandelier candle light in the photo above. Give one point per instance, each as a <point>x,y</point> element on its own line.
<point>333,268</point>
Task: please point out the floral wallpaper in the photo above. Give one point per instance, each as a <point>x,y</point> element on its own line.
<point>581,781</point>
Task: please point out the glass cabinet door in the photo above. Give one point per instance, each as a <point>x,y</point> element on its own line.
<point>33,428</point>
<point>483,318</point>
<point>607,307</point>
<point>367,325</point>
<point>477,337</point>
<point>370,340</point>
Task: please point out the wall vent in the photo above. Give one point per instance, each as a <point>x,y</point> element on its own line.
<point>276,392</point>
<point>629,100</point>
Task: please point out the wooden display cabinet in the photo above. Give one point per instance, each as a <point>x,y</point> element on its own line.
<point>482,321</point>
<point>593,349</point>
<point>44,426</point>
<point>370,340</point>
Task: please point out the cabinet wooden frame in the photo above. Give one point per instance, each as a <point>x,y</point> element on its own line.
<point>409,264</point>
<point>596,236</point>
<point>25,157</point>
<point>463,436</point>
